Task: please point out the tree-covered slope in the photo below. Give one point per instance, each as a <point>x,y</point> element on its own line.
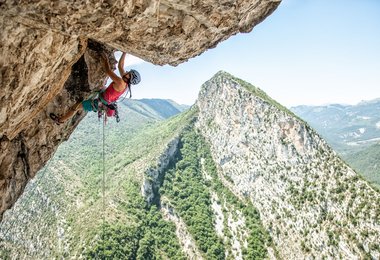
<point>156,108</point>
<point>62,210</point>
<point>367,162</point>
<point>310,201</point>
<point>222,225</point>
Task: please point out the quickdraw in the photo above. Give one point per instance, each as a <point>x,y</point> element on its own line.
<point>100,105</point>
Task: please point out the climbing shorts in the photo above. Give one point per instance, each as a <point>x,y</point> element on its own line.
<point>90,105</point>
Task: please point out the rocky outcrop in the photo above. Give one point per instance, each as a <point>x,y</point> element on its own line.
<point>185,238</point>
<point>311,202</point>
<point>153,177</point>
<point>48,62</point>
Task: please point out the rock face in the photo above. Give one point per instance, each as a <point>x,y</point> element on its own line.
<point>311,202</point>
<point>48,62</point>
<point>153,176</point>
<point>160,32</point>
<point>187,242</point>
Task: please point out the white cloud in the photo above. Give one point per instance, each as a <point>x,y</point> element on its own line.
<point>378,125</point>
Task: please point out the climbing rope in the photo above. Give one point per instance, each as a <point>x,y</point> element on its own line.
<point>33,191</point>
<point>103,182</point>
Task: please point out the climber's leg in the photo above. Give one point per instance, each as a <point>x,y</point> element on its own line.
<point>78,106</point>
<point>60,120</point>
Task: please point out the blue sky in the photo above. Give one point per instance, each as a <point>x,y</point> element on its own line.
<point>307,52</point>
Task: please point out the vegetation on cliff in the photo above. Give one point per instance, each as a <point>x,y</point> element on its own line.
<point>190,194</point>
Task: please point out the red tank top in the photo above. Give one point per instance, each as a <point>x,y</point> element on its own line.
<point>111,95</point>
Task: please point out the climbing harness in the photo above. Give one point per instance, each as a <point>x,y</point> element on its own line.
<point>100,105</point>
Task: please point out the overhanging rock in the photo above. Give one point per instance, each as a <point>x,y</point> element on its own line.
<point>47,64</point>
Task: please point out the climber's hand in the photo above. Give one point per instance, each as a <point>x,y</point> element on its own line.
<point>105,61</point>
<point>120,66</point>
<point>104,56</point>
<point>107,68</point>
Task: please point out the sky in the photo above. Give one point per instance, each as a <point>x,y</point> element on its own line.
<point>308,52</point>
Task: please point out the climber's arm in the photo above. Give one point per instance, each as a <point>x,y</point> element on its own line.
<point>120,65</point>
<point>109,71</point>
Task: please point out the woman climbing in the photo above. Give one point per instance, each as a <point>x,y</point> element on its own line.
<point>107,97</point>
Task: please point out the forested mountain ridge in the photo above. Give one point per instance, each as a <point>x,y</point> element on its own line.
<point>237,176</point>
<point>156,108</point>
<point>312,203</point>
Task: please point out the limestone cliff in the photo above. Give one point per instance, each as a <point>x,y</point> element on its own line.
<point>48,62</point>
<point>153,176</point>
<point>311,202</point>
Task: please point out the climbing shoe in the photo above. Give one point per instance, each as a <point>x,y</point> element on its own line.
<point>55,118</point>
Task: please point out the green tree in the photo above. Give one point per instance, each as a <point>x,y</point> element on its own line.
<point>146,247</point>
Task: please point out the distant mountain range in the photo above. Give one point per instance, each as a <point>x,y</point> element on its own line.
<point>346,127</point>
<point>352,130</point>
<point>155,108</point>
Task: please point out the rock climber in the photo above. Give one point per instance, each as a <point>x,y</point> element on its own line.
<point>106,99</point>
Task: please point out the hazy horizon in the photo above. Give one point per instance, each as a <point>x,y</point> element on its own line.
<point>326,104</point>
